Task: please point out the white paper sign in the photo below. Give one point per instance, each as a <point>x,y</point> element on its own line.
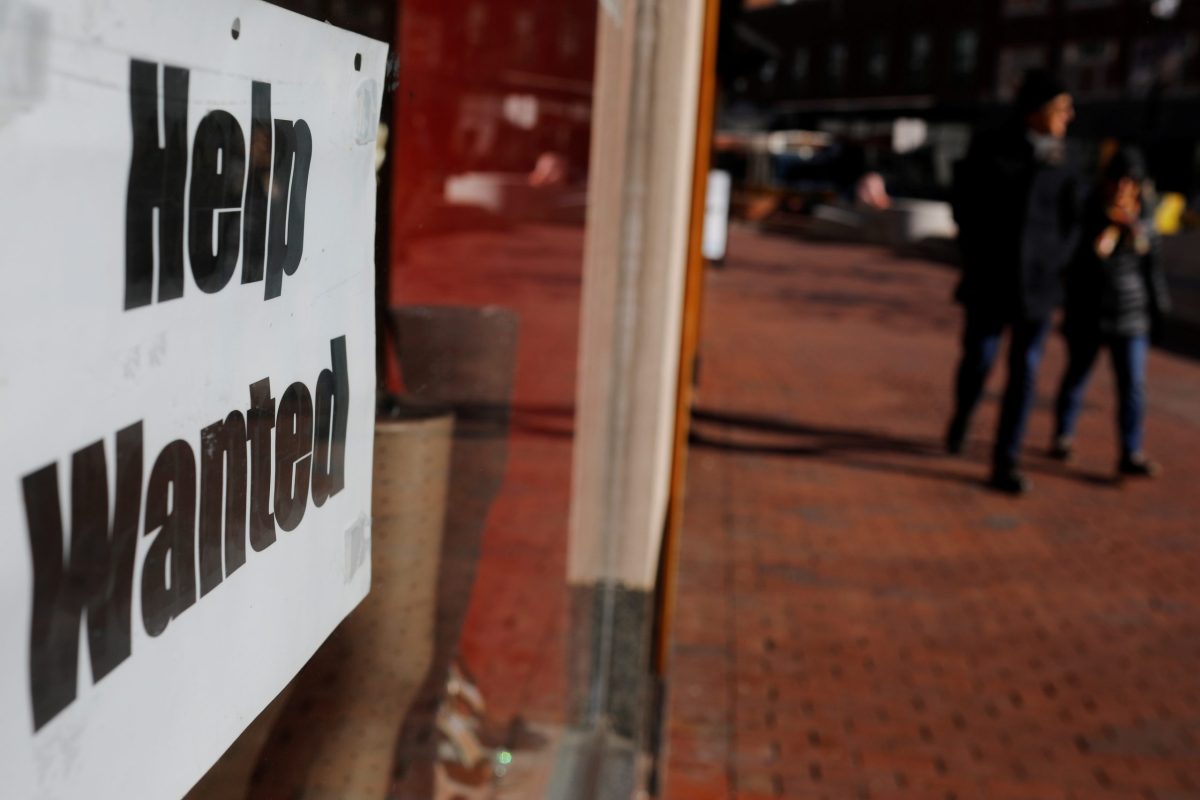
<point>187,205</point>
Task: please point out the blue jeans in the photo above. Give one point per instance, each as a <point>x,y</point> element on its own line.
<point>1128,355</point>
<point>981,345</point>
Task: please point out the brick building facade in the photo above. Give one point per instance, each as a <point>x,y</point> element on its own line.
<point>1133,65</point>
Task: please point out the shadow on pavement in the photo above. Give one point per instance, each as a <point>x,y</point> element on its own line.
<point>826,438</point>
<point>852,447</point>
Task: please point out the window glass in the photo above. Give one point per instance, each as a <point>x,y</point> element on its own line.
<point>1025,8</point>
<point>1087,67</point>
<point>1014,62</point>
<point>966,51</point>
<point>835,69</point>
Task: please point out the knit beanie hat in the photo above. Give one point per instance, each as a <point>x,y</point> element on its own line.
<point>1038,88</point>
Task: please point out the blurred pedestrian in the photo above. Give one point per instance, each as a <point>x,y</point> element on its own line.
<point>1016,205</point>
<point>1116,296</point>
<point>871,192</point>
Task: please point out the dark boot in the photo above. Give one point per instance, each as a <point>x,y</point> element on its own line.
<point>1008,479</point>
<point>956,434</point>
<point>1062,448</point>
<point>1136,465</point>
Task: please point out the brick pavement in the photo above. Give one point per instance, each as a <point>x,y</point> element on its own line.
<point>860,618</point>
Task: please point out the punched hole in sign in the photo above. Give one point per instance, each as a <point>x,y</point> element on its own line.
<point>235,30</point>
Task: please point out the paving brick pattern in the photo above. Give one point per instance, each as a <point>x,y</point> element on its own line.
<point>860,618</point>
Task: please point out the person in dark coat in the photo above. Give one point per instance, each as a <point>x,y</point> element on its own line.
<point>1116,295</point>
<point>1016,205</point>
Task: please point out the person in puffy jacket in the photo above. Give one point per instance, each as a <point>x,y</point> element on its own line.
<point>1115,297</point>
<point>1016,205</point>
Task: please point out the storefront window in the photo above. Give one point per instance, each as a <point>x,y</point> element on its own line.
<point>966,52</point>
<point>1088,66</point>
<point>1013,64</point>
<point>878,60</point>
<point>800,65</point>
<point>919,50</point>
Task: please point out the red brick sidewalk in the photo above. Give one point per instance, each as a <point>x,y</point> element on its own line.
<point>860,618</point>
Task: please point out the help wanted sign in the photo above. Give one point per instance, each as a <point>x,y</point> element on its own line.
<point>187,204</point>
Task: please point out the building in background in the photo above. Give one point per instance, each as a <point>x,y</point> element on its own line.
<point>906,80</point>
